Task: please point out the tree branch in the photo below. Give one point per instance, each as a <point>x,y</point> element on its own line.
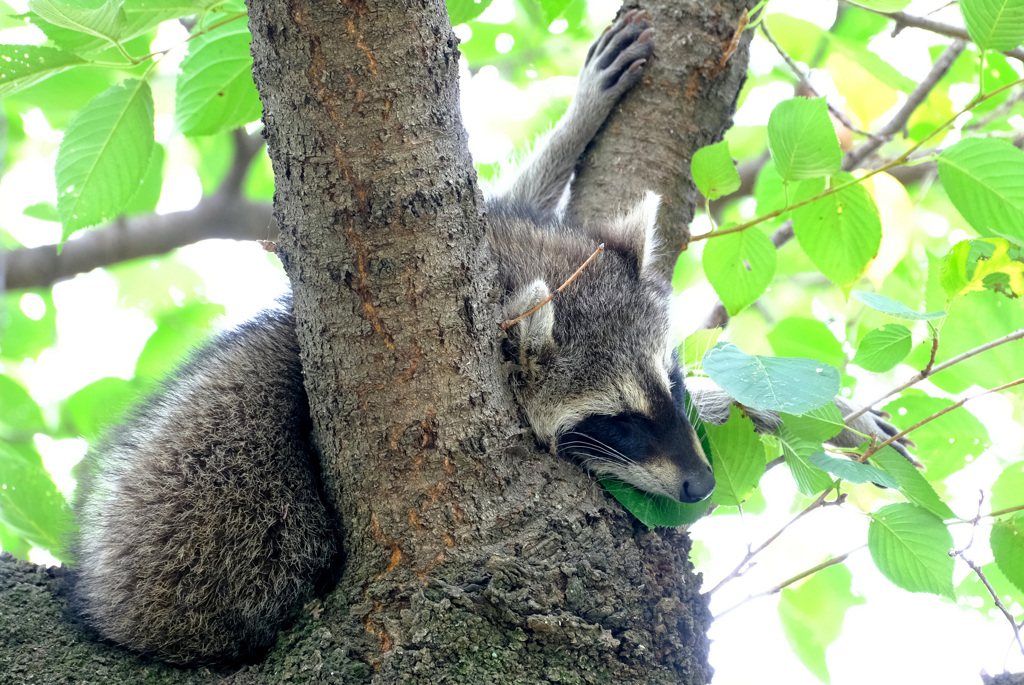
<point>920,376</point>
<point>214,217</point>
<point>224,214</point>
<point>904,20</point>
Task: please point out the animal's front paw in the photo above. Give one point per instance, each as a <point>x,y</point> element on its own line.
<point>615,61</point>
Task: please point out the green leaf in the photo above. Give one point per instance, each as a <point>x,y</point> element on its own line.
<point>802,141</point>
<point>944,444</point>
<point>714,172</point>
<point>883,348</point>
<point>910,546</point>
<point>740,266</point>
<point>463,11</point>
<point>984,178</point>
<point>841,233</point>
<point>852,471</point>
<point>791,385</point>
<point>696,345</point>
<point>107,21</point>
<point>812,615</point>
<point>104,154</point>
<point>148,195</point>
<point>553,9</point>
<point>1008,490</point>
<point>1007,540</point>
<point>97,405</point>
<point>797,450</point>
<point>215,90</point>
<point>178,329</point>
<point>994,24</point>
<point>22,336</point>
<point>886,305</point>
<point>654,511</point>
<point>983,264</point>
<point>44,211</point>
<point>810,338</point>
<point>30,504</point>
<point>20,416</point>
<point>819,425</point>
<point>911,483</point>
<point>740,458</point>
<point>882,5</point>
<point>23,65</point>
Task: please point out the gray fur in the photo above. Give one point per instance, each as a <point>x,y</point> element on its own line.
<point>201,520</point>
<point>202,525</point>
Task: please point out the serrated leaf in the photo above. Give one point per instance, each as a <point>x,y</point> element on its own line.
<point>215,90</point>
<point>912,484</point>
<point>714,172</point>
<point>790,385</point>
<point>853,471</point>
<point>654,511</point>
<point>841,233</point>
<point>104,155</point>
<point>147,197</point>
<point>23,65</point>
<point>812,615</point>
<point>994,24</point>
<point>984,179</point>
<point>1007,540</point>
<point>740,266</point>
<point>802,141</point>
<point>910,546</point>
<point>107,21</point>
<point>889,306</point>
<point>883,348</point>
<point>797,450</point>
<point>740,458</point>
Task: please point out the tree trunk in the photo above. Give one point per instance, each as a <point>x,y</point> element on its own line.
<point>686,101</point>
<point>469,555</point>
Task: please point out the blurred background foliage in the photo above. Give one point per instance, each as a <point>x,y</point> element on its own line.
<point>76,355</point>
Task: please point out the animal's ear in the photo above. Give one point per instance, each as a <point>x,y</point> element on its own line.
<point>533,331</point>
<point>636,230</point>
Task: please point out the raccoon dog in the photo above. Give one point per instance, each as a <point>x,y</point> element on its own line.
<point>202,522</point>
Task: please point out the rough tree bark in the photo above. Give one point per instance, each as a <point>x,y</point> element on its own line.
<point>687,101</point>
<point>469,555</point>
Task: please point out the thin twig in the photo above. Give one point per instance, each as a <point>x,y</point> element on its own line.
<point>806,81</point>
<point>789,581</point>
<point>914,100</point>
<point>507,324</point>
<point>903,19</point>
<point>1003,512</point>
<point>751,553</point>
<point>902,159</point>
<point>955,405</point>
<point>1016,335</point>
<point>981,575</point>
